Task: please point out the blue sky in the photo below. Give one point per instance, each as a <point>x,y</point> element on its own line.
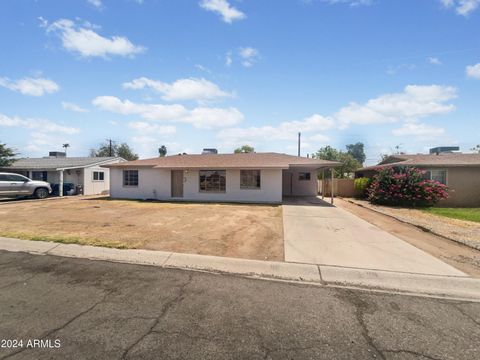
<point>191,74</point>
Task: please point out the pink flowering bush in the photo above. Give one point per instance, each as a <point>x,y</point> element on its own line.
<point>405,187</point>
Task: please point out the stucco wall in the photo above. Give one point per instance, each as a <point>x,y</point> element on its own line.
<point>465,183</point>
<point>301,187</point>
<point>94,187</point>
<point>155,184</point>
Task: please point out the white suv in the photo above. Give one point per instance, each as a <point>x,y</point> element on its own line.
<point>15,185</point>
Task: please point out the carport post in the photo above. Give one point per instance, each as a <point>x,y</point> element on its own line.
<point>60,185</point>
<point>323,184</point>
<point>331,186</point>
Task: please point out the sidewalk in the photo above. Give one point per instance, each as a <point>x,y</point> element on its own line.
<point>453,287</point>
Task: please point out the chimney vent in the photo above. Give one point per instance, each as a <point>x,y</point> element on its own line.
<point>57,154</point>
<point>209,151</point>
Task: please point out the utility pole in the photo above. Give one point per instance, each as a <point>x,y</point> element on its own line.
<point>110,147</point>
<point>299,137</point>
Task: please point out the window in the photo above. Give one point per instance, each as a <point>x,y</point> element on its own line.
<point>17,178</point>
<point>212,180</point>
<point>39,175</point>
<point>99,176</point>
<point>304,176</point>
<point>437,175</point>
<point>130,177</point>
<point>249,179</point>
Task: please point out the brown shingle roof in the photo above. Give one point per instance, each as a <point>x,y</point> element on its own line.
<point>215,161</point>
<point>444,159</point>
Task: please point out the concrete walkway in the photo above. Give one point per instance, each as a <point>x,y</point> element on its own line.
<point>317,233</point>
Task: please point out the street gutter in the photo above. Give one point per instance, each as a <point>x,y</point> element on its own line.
<point>451,287</point>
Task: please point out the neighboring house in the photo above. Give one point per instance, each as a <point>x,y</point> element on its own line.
<point>58,169</point>
<point>246,177</point>
<point>460,172</point>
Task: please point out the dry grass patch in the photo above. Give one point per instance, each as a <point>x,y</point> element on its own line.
<point>232,230</point>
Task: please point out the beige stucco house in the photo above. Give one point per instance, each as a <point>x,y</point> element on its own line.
<point>460,172</point>
<point>246,177</point>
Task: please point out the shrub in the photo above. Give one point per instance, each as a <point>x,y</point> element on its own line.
<point>361,186</point>
<point>405,187</point>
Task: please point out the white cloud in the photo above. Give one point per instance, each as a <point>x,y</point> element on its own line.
<point>203,68</point>
<point>473,71</point>
<point>209,118</point>
<point>228,59</point>
<point>318,139</point>
<point>420,131</point>
<point>200,117</point>
<point>30,86</point>
<point>462,7</point>
<point>147,111</point>
<point>392,70</point>
<point>249,56</point>
<point>287,130</point>
<point>40,125</point>
<point>148,128</point>
<point>73,107</point>
<point>352,3</point>
<point>414,102</point>
<point>434,61</point>
<point>97,3</point>
<point>86,42</point>
<point>223,8</point>
<point>182,89</point>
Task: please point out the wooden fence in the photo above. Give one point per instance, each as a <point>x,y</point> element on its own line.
<point>341,187</point>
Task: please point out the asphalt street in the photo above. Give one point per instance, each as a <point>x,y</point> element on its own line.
<point>83,309</point>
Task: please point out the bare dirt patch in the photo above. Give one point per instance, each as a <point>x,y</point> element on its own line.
<point>458,255</point>
<point>243,231</point>
<point>465,232</point>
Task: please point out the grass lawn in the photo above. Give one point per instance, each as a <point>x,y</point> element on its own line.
<point>469,214</point>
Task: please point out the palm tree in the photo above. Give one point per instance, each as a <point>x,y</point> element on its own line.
<point>65,146</point>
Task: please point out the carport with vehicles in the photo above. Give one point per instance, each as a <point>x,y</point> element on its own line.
<point>67,175</point>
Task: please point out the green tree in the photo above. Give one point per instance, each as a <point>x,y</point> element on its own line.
<point>357,151</point>
<point>6,155</point>
<point>162,151</point>
<point>244,149</point>
<point>123,150</point>
<point>126,152</point>
<point>348,163</point>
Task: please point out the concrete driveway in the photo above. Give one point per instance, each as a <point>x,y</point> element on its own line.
<point>318,233</point>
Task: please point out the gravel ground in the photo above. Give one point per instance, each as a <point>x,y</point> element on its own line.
<point>465,232</point>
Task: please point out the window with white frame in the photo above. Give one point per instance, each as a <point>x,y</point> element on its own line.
<point>439,175</point>
<point>130,177</point>
<point>212,180</point>
<point>98,176</point>
<point>250,179</point>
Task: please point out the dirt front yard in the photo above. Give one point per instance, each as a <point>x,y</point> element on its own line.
<point>243,231</point>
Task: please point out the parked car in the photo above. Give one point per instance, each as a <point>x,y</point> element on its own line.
<point>15,185</point>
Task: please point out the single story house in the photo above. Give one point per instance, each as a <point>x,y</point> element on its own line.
<point>245,177</point>
<point>460,172</point>
<point>58,169</point>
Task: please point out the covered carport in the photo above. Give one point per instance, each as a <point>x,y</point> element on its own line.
<point>302,180</point>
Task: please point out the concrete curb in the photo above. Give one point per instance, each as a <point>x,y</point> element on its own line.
<point>451,287</point>
<point>420,227</point>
